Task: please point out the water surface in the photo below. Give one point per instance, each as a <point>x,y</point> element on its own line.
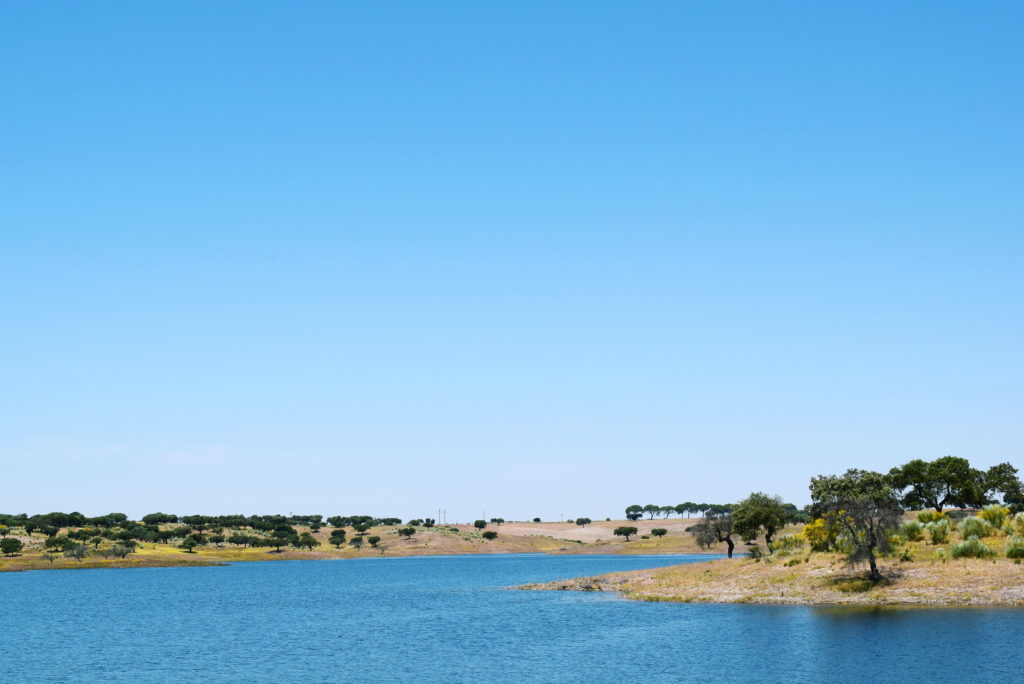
<point>447,619</point>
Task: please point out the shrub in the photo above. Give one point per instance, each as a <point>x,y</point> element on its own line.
<point>974,527</point>
<point>911,531</point>
<point>938,531</point>
<point>1015,548</point>
<point>489,535</point>
<point>972,548</point>
<point>788,543</point>
<point>926,517</point>
<point>821,534</point>
<point>659,531</point>
<point>995,515</point>
<point>1016,525</point>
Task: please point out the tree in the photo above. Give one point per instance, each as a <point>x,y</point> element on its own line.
<point>866,507</point>
<point>652,510</point>
<point>479,524</point>
<point>337,537</point>
<point>716,526</point>
<point>407,531</point>
<point>634,512</point>
<point>489,535</point>
<point>536,520</point>
<point>307,541</point>
<point>217,539</point>
<point>659,531</point>
<point>239,539</point>
<point>356,542</point>
<point>759,511</point>
<point>626,532</point>
<point>188,543</point>
<point>583,522</point>
<point>10,546</point>
<point>96,541</point>
<point>1002,479</point>
<point>373,540</point>
<point>948,480</point>
<point>4,531</point>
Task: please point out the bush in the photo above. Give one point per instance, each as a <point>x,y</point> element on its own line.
<point>995,515</point>
<point>489,535</point>
<point>938,531</point>
<point>1015,547</point>
<point>925,517</point>
<point>974,527</point>
<point>972,548</point>
<point>788,543</point>
<point>911,531</point>
<point>659,531</point>
<point>1016,525</point>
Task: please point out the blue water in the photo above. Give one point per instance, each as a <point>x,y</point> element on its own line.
<point>447,619</point>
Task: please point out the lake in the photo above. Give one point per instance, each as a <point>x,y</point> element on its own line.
<point>448,619</point>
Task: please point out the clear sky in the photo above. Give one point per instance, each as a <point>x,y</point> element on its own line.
<point>528,258</point>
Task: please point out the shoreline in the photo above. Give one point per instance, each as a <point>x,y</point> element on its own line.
<point>819,581</point>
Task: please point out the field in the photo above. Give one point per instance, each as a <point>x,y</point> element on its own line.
<point>513,537</point>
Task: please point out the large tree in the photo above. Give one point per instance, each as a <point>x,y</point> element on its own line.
<point>949,480</point>
<point>757,512</point>
<point>716,526</point>
<point>866,508</point>
<point>1002,479</point>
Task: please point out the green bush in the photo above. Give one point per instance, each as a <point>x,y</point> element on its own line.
<point>925,517</point>
<point>994,514</point>
<point>938,531</point>
<point>1016,525</point>
<point>911,531</point>
<point>972,548</point>
<point>1015,547</point>
<point>974,527</point>
<point>788,543</point>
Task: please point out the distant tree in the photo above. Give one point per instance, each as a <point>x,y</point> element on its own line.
<point>239,539</point>
<point>429,522</point>
<point>659,531</point>
<point>373,540</point>
<point>715,527</point>
<point>306,541</point>
<point>407,531</point>
<point>634,512</point>
<point>865,506</point>
<point>489,535</point>
<point>667,510</point>
<point>337,537</point>
<point>4,531</point>
<point>217,539</point>
<point>536,520</point>
<point>30,527</point>
<point>651,510</point>
<point>497,521</point>
<point>415,523</point>
<point>479,524</point>
<point>949,480</point>
<point>121,550</point>
<point>356,542</point>
<point>76,551</point>
<point>626,532</point>
<point>583,522</point>
<point>759,512</point>
<point>49,557</point>
<point>96,541</point>
<point>188,543</point>
<point>10,546</point>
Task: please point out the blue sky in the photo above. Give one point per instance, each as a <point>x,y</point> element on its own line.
<point>523,258</point>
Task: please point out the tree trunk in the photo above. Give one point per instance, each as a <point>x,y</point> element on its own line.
<point>875,575</point>
<point>732,545</point>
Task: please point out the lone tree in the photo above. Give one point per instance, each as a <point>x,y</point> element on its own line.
<point>10,546</point>
<point>489,535</point>
<point>479,524</point>
<point>759,511</point>
<point>715,527</point>
<point>866,508</point>
<point>373,541</point>
<point>583,522</point>
<point>659,531</point>
<point>626,532</point>
<point>407,531</point>
<point>634,512</point>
